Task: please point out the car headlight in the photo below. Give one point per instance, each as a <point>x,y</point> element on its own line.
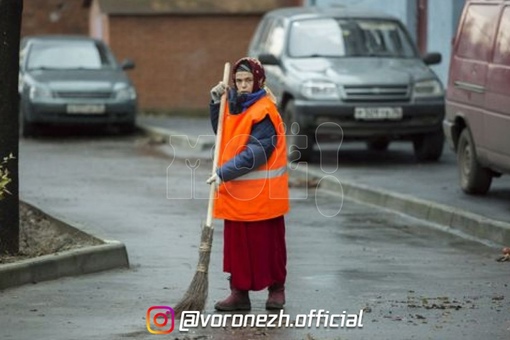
<point>40,92</point>
<point>127,93</point>
<point>427,88</point>
<point>320,90</point>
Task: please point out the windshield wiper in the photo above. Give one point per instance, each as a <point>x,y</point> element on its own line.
<point>42,68</point>
<point>320,56</point>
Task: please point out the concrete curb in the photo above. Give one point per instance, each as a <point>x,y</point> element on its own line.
<point>90,259</point>
<point>466,224</point>
<point>479,228</point>
<point>181,140</point>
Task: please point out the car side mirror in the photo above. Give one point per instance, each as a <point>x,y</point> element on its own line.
<point>269,59</point>
<point>432,58</point>
<point>127,64</point>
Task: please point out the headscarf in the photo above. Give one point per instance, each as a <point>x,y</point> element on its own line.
<point>253,66</point>
<point>240,102</point>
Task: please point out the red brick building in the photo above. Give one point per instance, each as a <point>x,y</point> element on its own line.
<point>54,17</point>
<point>179,46</point>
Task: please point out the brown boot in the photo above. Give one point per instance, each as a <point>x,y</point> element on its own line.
<point>276,298</point>
<point>237,300</point>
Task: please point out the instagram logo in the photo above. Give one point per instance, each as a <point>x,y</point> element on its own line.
<point>162,314</point>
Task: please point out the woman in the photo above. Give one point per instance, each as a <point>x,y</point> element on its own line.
<point>252,184</point>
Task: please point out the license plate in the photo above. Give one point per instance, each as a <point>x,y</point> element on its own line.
<point>86,109</point>
<point>378,113</point>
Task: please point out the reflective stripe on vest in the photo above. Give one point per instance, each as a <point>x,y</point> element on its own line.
<point>262,174</point>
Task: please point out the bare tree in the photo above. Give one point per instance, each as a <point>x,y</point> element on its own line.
<point>10,28</point>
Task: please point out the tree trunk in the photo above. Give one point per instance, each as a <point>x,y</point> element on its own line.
<point>10,28</point>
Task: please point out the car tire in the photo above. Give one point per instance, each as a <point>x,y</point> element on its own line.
<point>474,179</point>
<point>429,147</point>
<point>299,143</point>
<point>378,145</point>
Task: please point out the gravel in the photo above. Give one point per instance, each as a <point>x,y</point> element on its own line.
<point>40,235</point>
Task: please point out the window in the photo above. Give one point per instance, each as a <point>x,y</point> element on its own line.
<point>66,55</point>
<point>264,28</point>
<point>349,38</point>
<point>321,37</point>
<point>274,44</point>
<point>477,31</point>
<point>502,51</point>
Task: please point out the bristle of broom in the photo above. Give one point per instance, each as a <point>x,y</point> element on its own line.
<point>195,297</point>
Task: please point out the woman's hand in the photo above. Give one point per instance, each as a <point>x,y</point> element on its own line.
<point>214,179</point>
<point>217,91</point>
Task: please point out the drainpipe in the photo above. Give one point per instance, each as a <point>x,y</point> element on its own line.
<point>421,27</point>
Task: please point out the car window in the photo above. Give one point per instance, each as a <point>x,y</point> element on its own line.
<point>274,44</point>
<point>67,55</point>
<point>349,37</point>
<point>502,51</point>
<point>271,38</point>
<point>477,31</point>
<point>257,45</point>
<point>316,37</point>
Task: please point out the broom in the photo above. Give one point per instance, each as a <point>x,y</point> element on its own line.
<point>196,295</point>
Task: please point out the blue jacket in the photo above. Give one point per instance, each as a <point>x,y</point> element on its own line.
<point>258,149</point>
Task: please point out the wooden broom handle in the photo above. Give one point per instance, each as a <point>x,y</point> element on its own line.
<point>219,133</point>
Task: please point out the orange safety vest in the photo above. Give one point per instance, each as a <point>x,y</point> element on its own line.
<point>262,193</point>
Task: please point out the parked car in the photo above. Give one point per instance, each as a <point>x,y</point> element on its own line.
<point>477,122</point>
<point>73,80</point>
<point>355,69</point>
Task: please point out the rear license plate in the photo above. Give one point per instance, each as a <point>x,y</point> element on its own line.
<point>86,109</point>
<point>378,113</point>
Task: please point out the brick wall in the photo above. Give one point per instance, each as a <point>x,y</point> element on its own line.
<point>179,58</point>
<point>54,17</point>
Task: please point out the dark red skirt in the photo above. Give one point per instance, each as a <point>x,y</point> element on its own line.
<point>254,253</point>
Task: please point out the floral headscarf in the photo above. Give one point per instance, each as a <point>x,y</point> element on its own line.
<point>253,66</point>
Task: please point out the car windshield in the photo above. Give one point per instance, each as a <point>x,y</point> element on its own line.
<point>67,55</point>
<point>349,38</point>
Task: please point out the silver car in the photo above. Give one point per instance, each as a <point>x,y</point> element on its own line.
<point>351,75</point>
<point>73,80</point>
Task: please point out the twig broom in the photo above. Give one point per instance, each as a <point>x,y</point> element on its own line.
<point>196,295</point>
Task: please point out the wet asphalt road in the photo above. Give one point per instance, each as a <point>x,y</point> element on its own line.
<point>413,281</point>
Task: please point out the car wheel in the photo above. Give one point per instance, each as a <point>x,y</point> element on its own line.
<point>299,143</point>
<point>429,147</point>
<point>378,145</point>
<point>474,179</point>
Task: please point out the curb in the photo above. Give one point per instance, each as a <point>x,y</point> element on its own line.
<point>85,260</point>
<point>465,224</point>
<point>188,142</point>
<point>454,220</point>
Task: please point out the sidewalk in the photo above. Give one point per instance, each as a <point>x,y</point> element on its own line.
<point>385,180</point>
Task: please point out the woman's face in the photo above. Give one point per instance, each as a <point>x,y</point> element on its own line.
<point>244,82</point>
